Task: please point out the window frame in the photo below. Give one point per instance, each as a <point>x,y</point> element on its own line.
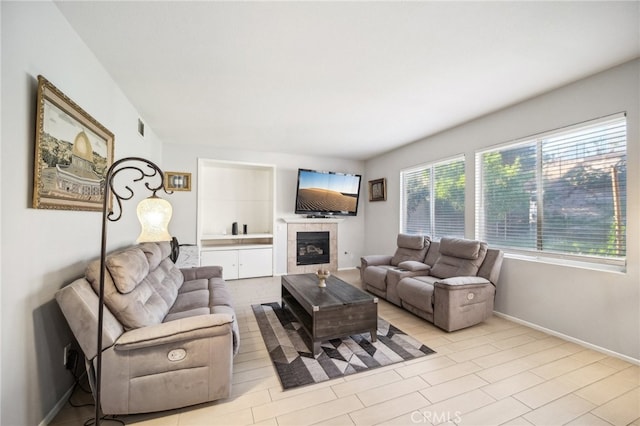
<point>617,264</point>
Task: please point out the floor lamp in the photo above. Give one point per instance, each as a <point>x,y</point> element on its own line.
<point>154,214</point>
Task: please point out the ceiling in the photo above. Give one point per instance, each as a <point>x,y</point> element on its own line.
<point>342,79</point>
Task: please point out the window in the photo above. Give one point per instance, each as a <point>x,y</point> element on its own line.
<point>432,201</point>
<point>562,192</point>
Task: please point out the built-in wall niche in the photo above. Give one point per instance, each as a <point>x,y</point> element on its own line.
<point>241,193</point>
<point>235,193</point>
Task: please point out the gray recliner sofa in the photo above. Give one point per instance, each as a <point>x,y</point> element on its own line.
<point>169,334</point>
<point>380,274</point>
<point>453,286</point>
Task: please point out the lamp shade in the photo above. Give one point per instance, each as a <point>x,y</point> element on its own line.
<point>154,215</point>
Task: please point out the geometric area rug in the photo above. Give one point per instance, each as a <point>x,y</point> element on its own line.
<point>296,365</point>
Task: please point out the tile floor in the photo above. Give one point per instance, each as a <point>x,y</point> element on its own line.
<point>496,373</point>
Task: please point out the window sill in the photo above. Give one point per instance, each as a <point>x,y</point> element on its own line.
<point>570,263</point>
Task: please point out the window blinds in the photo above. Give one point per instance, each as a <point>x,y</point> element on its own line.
<point>561,192</point>
<point>433,199</point>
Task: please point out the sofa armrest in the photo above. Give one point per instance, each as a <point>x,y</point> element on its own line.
<point>375,259</point>
<point>201,272</point>
<point>79,305</point>
<point>415,266</point>
<point>196,327</point>
<point>459,282</point>
<point>461,302</point>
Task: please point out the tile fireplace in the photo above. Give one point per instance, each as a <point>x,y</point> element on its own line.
<point>312,244</point>
<point>312,248</point>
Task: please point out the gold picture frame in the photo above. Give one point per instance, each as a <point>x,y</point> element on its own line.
<point>73,152</point>
<point>177,181</point>
<point>378,190</point>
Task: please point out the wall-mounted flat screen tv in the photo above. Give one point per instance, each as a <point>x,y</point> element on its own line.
<point>323,194</point>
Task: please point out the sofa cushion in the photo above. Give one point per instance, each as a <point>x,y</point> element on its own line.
<point>418,292</point>
<point>193,285</point>
<point>153,253</point>
<point>415,242</point>
<point>172,316</point>
<point>219,294</point>
<point>127,268</point>
<point>376,276</point>
<point>410,247</point>
<point>459,257</point>
<point>140,308</point>
<point>191,300</point>
<point>148,301</point>
<point>433,253</point>
<point>166,280</point>
<point>458,247</point>
<point>413,265</point>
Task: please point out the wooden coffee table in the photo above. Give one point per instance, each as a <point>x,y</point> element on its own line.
<point>337,310</point>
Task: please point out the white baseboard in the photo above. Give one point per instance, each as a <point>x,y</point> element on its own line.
<point>56,408</point>
<point>569,338</point>
<point>60,404</point>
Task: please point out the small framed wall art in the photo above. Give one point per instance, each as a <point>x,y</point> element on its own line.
<point>378,190</point>
<point>177,181</point>
<point>72,154</point>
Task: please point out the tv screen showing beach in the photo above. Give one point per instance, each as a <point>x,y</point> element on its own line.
<point>327,192</point>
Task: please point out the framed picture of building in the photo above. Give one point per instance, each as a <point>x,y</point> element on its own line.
<point>177,181</point>
<point>378,190</point>
<point>72,153</point>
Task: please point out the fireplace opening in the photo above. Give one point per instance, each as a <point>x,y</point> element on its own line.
<point>313,248</point>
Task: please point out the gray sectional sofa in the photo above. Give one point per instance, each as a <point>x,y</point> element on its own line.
<point>451,282</point>
<point>169,334</point>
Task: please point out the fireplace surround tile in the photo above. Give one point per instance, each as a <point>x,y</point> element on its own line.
<point>293,229</point>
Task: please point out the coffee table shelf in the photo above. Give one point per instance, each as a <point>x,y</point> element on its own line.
<point>337,310</point>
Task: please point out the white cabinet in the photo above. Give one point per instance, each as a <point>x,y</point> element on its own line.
<point>228,259</point>
<point>241,262</point>
<point>255,263</point>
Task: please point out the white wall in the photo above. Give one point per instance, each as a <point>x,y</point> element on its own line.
<point>184,158</point>
<point>42,250</point>
<point>600,308</point>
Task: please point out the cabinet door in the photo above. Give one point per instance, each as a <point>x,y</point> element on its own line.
<point>228,259</point>
<point>255,263</point>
